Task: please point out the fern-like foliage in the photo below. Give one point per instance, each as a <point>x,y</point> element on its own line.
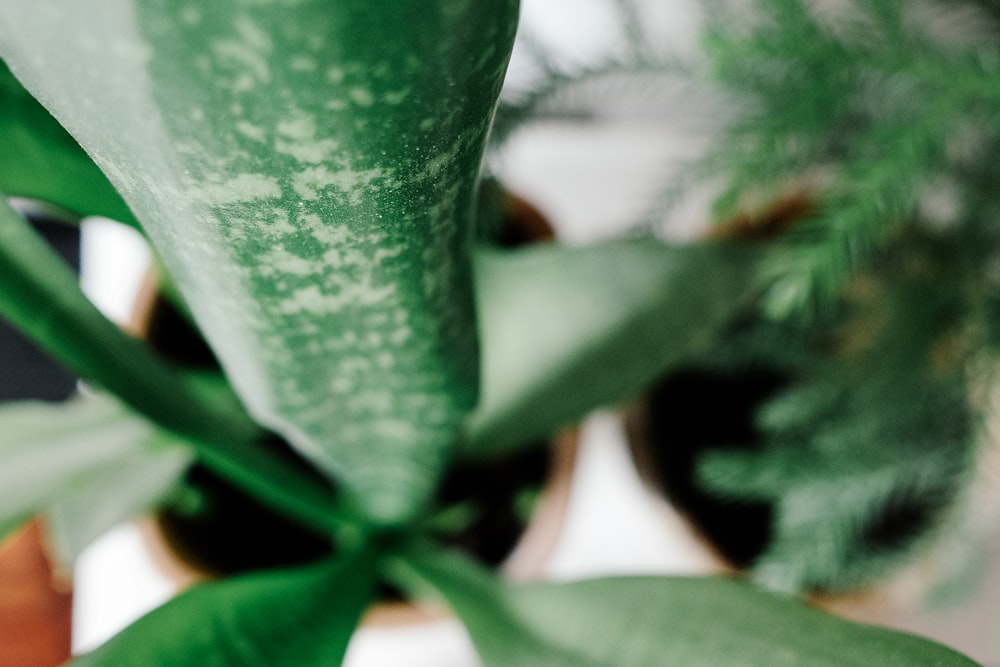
<point>866,104</point>
<point>887,114</point>
<point>866,451</point>
<point>881,296</point>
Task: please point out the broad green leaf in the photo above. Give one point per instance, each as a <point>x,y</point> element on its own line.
<point>121,489</point>
<point>307,171</point>
<point>302,617</point>
<point>40,296</point>
<point>565,330</point>
<point>50,451</point>
<point>39,159</point>
<point>656,621</point>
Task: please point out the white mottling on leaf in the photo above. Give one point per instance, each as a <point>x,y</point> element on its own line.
<point>382,254</point>
<point>335,105</point>
<point>300,127</point>
<point>328,235</point>
<point>280,260</point>
<point>253,35</point>
<point>335,74</point>
<point>395,430</point>
<point>302,64</point>
<point>309,152</point>
<point>243,83</point>
<point>436,165</point>
<point>241,188</point>
<point>400,336</point>
<point>361,96</point>
<point>314,301</point>
<point>191,15</point>
<point>251,131</point>
<point>378,401</point>
<point>346,182</point>
<point>279,224</point>
<point>255,64</point>
<point>395,97</point>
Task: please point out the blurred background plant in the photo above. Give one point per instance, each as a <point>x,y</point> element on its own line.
<point>857,142</point>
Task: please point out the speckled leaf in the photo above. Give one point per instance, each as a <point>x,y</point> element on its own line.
<point>301,617</point>
<point>41,297</point>
<point>566,330</point>
<point>39,160</point>
<point>307,171</point>
<point>656,621</point>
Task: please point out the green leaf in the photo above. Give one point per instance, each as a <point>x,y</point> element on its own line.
<point>132,483</point>
<point>307,171</point>
<point>41,161</point>
<point>282,618</point>
<point>654,621</point>
<point>41,297</point>
<point>49,451</point>
<point>565,330</point>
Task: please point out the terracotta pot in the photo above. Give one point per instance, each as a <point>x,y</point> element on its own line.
<point>35,605</point>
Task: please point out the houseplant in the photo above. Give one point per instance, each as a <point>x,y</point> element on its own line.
<point>852,140</point>
<point>308,173</point>
<point>877,118</point>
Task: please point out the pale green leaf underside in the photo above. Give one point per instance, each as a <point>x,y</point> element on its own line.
<point>51,452</point>
<point>307,171</point>
<point>122,489</point>
<point>280,618</point>
<point>657,621</point>
<point>565,330</point>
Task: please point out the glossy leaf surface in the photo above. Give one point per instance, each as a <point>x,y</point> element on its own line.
<point>40,160</point>
<point>280,618</point>
<point>650,622</point>
<point>565,330</point>
<point>51,452</point>
<point>307,171</point>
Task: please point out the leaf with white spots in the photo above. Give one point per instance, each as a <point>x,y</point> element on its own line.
<point>307,171</point>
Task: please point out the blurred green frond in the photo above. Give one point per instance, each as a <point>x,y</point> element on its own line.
<point>862,107</point>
